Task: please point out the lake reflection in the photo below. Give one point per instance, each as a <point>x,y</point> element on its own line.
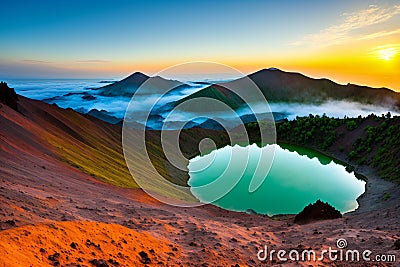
<point>293,182</point>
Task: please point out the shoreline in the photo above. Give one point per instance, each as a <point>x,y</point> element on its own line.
<point>375,186</point>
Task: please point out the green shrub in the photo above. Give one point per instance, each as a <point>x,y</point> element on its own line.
<point>386,196</point>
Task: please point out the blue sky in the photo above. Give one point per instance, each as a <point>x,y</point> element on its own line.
<point>114,38</point>
<point>116,30</point>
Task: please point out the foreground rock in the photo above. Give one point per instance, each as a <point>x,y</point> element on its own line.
<point>316,212</point>
<point>397,244</point>
<point>8,96</point>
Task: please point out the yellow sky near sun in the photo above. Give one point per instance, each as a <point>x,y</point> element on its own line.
<point>363,47</point>
<point>373,63</point>
<point>376,67</point>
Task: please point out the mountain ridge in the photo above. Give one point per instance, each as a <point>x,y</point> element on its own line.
<point>281,86</point>
<point>129,85</point>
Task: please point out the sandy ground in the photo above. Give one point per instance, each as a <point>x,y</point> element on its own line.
<point>46,205</point>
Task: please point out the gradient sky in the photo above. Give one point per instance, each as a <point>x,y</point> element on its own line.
<point>347,41</point>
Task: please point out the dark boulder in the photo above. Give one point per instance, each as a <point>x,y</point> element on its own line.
<point>397,244</point>
<point>8,96</point>
<point>54,259</point>
<point>99,263</point>
<point>144,257</point>
<point>316,212</point>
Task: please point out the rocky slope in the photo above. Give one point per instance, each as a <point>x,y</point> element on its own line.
<point>62,202</point>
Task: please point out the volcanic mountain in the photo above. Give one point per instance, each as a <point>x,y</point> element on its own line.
<point>280,86</point>
<point>129,85</point>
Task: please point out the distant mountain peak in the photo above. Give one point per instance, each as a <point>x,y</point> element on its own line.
<point>282,86</point>
<point>138,75</point>
<point>271,70</point>
<point>129,85</point>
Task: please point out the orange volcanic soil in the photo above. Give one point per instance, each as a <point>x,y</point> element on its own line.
<point>83,243</point>
<point>54,169</point>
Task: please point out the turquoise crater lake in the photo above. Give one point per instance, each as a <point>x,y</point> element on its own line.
<point>295,179</point>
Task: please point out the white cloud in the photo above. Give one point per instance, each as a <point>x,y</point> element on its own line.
<point>361,19</point>
<point>379,34</point>
<point>93,61</point>
<point>382,47</point>
<point>34,61</point>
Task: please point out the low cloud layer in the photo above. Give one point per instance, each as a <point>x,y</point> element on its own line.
<point>331,109</point>
<point>116,106</point>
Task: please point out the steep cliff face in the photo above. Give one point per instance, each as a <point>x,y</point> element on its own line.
<point>8,96</point>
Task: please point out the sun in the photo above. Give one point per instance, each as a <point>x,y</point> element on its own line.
<point>387,53</point>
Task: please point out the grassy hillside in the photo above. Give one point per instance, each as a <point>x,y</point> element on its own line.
<point>84,142</point>
<point>372,140</point>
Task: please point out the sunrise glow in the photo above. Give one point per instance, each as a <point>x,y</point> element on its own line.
<point>356,42</point>
<point>387,54</point>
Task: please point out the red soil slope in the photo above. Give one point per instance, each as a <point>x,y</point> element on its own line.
<point>73,243</point>
<point>39,190</point>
